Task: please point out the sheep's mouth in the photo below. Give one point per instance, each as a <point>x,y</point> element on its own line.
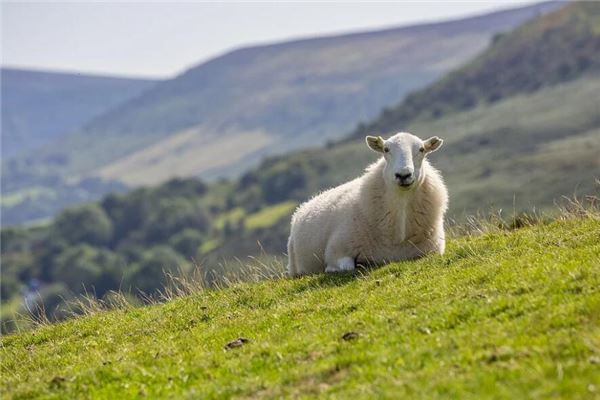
<point>405,185</point>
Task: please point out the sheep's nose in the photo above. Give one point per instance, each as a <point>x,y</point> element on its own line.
<point>403,177</point>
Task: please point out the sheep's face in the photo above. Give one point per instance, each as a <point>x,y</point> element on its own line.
<point>404,154</point>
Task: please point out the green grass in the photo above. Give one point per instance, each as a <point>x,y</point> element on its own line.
<point>10,308</point>
<point>209,245</point>
<point>32,193</point>
<point>232,216</point>
<point>270,215</point>
<point>507,314</point>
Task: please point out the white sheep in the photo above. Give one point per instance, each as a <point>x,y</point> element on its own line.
<point>394,211</point>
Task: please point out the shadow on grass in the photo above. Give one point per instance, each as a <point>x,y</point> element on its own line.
<point>337,279</point>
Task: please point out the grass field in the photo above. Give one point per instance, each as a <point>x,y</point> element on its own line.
<point>32,193</point>
<point>503,314</point>
<point>270,215</point>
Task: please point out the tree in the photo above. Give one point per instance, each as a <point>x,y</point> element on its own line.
<point>172,215</point>
<point>284,181</point>
<point>84,267</point>
<point>87,224</point>
<point>186,242</point>
<point>9,286</point>
<point>150,273</point>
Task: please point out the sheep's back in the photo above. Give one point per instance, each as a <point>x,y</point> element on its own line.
<point>328,208</point>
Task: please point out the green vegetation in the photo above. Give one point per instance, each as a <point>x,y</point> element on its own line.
<point>230,217</point>
<point>270,215</point>
<point>559,47</point>
<point>517,153</point>
<point>505,314</point>
<point>129,241</point>
<point>31,193</point>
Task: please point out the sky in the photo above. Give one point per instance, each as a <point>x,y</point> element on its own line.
<point>162,39</point>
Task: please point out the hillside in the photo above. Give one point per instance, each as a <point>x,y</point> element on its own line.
<point>507,314</point>
<point>516,154</point>
<point>40,106</point>
<point>524,150</point>
<point>556,48</point>
<point>273,98</point>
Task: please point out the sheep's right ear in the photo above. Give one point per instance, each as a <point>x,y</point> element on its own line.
<point>432,144</point>
<point>375,143</point>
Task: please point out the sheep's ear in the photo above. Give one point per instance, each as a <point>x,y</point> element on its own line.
<point>432,144</point>
<point>375,143</point>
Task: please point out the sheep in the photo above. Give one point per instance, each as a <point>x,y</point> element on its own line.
<point>394,211</point>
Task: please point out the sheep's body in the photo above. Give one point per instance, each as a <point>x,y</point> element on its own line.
<point>367,222</point>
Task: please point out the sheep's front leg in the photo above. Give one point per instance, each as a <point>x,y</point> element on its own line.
<point>341,264</point>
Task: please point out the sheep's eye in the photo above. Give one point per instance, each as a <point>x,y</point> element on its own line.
<point>422,149</point>
<point>386,150</point>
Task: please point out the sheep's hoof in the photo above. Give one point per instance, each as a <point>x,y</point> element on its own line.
<point>346,264</point>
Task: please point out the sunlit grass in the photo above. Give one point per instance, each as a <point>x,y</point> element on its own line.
<point>269,215</point>
<point>13,198</point>
<point>505,313</point>
<point>232,216</point>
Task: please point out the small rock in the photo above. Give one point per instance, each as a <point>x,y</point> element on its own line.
<point>350,336</point>
<point>594,360</point>
<point>236,343</point>
<point>425,330</point>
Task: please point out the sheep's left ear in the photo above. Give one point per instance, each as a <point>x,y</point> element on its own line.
<point>375,143</point>
<point>432,144</point>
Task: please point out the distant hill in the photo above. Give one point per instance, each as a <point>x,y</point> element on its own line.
<point>39,106</point>
<point>558,48</point>
<point>270,99</point>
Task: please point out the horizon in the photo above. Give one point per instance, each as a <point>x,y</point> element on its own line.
<point>25,54</point>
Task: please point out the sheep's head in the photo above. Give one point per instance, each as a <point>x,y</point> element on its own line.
<point>404,154</point>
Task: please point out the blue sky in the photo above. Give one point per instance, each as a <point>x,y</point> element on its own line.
<point>160,39</point>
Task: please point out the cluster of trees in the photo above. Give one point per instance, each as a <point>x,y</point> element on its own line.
<point>130,241</point>
<point>125,241</point>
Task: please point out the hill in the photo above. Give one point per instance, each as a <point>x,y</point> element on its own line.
<point>273,99</point>
<point>507,314</point>
<point>40,106</point>
<point>523,150</point>
<point>557,48</point>
<point>519,153</point>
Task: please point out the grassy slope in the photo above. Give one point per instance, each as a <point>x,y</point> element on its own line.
<point>296,92</point>
<point>558,47</point>
<point>520,152</point>
<point>504,315</point>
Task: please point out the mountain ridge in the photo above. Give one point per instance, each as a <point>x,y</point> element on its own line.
<point>41,105</point>
<point>547,51</point>
<point>290,103</point>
